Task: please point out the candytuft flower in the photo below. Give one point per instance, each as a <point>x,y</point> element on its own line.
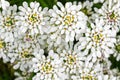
<point>110,13</point>
<point>98,41</point>
<point>31,19</point>
<point>8,24</point>
<point>66,21</point>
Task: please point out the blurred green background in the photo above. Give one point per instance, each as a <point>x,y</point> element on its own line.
<point>6,71</point>
<point>44,3</point>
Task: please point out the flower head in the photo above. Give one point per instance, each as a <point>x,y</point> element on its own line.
<point>32,19</point>
<point>99,40</point>
<point>66,21</point>
<point>110,14</point>
<point>47,67</point>
<point>8,24</point>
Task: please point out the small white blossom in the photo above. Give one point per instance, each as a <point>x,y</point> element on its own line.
<point>8,29</point>
<point>98,41</point>
<point>72,60</point>
<point>22,53</point>
<point>31,19</point>
<point>47,68</point>
<point>106,73</point>
<point>66,21</point>
<point>110,13</point>
<point>90,71</point>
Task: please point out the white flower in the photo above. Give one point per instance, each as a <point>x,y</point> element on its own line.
<point>47,68</point>
<point>110,13</point>
<point>4,4</point>
<point>72,60</point>
<point>98,41</point>
<point>21,54</point>
<point>8,30</point>
<point>31,19</point>
<point>90,71</point>
<point>97,71</point>
<point>66,21</point>
<point>106,72</point>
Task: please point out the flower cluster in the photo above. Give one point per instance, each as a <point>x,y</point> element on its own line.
<point>68,42</point>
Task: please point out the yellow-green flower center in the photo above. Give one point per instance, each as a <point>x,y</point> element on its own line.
<point>97,37</point>
<point>47,68</point>
<point>25,53</point>
<point>113,16</point>
<point>9,21</point>
<point>33,18</point>
<point>71,59</point>
<point>68,19</point>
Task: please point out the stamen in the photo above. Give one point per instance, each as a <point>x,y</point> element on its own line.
<point>68,19</point>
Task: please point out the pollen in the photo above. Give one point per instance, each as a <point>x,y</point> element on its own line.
<point>71,59</point>
<point>97,37</point>
<point>47,68</point>
<point>68,19</point>
<point>25,53</point>
<point>111,16</point>
<point>9,21</point>
<point>33,18</point>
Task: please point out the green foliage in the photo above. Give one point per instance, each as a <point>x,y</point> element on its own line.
<point>115,64</point>
<point>43,3</point>
<point>6,71</point>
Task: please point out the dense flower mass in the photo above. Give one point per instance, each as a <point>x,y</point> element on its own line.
<point>74,41</point>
